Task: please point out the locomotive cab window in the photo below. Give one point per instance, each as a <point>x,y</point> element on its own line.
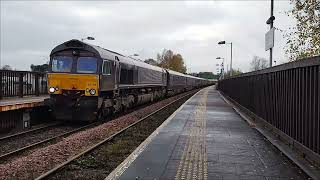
<point>61,64</point>
<point>87,65</point>
<point>106,67</point>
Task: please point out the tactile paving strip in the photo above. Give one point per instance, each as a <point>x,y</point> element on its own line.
<point>193,163</point>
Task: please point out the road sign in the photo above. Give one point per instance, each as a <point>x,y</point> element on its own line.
<point>269,39</point>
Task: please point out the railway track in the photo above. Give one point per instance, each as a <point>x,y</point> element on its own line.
<point>8,150</point>
<point>16,144</point>
<point>106,140</point>
<point>2,138</point>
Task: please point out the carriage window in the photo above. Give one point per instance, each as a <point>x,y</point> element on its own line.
<point>87,65</point>
<point>61,64</point>
<point>106,67</point>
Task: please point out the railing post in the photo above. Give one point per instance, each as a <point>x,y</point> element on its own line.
<point>1,84</point>
<point>21,84</point>
<point>36,85</point>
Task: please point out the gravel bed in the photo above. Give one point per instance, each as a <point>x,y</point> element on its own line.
<point>43,159</point>
<point>11,144</point>
<point>100,162</point>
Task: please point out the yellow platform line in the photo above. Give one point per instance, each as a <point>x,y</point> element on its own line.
<point>193,163</point>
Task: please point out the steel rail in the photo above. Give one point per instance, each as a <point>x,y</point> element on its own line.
<point>28,131</point>
<point>23,149</point>
<point>93,147</point>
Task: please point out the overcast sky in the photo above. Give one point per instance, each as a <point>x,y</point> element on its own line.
<point>31,29</point>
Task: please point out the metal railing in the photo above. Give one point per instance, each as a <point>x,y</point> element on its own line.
<point>285,96</point>
<point>22,83</point>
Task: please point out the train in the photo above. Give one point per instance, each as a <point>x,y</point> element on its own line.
<point>87,82</point>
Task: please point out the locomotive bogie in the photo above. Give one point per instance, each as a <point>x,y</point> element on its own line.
<point>70,109</point>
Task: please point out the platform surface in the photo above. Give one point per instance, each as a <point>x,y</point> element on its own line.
<point>25,102</point>
<point>207,139</point>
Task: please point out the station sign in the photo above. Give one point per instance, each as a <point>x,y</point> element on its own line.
<point>269,39</point>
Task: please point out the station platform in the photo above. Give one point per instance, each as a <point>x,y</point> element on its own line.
<point>206,139</point>
<point>18,103</point>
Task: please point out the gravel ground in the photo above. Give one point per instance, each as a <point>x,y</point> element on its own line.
<point>99,163</point>
<point>43,159</point>
<point>11,144</point>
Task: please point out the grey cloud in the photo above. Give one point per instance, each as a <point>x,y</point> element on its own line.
<point>29,30</point>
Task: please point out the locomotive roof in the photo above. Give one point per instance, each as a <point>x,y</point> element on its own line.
<point>76,44</point>
<point>110,55</point>
<point>103,53</point>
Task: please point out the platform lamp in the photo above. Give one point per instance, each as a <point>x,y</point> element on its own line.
<point>224,42</point>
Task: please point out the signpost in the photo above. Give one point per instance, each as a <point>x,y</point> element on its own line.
<point>269,39</point>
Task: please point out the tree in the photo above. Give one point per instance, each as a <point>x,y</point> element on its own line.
<point>6,67</point>
<point>151,61</point>
<point>303,40</point>
<point>40,68</point>
<point>208,75</point>
<point>234,73</point>
<point>194,74</point>
<point>171,61</point>
<point>258,63</point>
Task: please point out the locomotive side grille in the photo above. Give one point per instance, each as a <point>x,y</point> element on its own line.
<point>149,76</point>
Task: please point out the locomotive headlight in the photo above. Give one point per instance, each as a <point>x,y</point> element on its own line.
<point>92,91</point>
<point>52,89</point>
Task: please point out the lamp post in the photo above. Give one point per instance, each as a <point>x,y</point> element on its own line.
<point>88,38</point>
<point>270,22</point>
<point>224,42</point>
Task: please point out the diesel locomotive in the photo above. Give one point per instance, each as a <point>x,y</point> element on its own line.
<point>87,82</point>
